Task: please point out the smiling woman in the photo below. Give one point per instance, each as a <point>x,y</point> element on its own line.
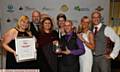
<point>21,30</point>
<point>47,59</point>
<point>23,23</point>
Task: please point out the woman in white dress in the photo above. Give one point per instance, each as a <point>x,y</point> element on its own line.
<point>86,60</point>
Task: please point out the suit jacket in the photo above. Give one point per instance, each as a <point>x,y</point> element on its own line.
<point>33,30</point>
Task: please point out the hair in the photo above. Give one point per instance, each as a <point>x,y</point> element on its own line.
<point>84,17</point>
<point>95,13</point>
<point>44,19</point>
<point>23,18</point>
<point>36,11</point>
<point>70,21</point>
<point>43,15</point>
<point>80,26</point>
<point>61,15</point>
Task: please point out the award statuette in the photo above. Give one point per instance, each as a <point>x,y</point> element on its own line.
<point>56,48</point>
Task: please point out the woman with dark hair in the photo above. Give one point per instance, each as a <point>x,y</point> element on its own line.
<point>47,59</point>
<point>61,18</point>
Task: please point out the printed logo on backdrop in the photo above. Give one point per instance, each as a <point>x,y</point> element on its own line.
<point>28,8</point>
<point>78,8</point>
<point>99,8</point>
<point>8,20</point>
<point>10,8</point>
<point>64,8</point>
<point>47,8</point>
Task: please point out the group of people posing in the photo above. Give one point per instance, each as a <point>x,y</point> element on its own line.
<point>86,50</point>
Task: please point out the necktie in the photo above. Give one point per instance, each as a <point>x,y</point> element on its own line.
<point>95,32</point>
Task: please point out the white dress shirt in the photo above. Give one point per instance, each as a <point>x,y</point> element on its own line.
<point>35,25</point>
<point>109,32</point>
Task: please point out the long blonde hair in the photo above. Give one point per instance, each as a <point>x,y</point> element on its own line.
<point>80,28</point>
<point>23,18</point>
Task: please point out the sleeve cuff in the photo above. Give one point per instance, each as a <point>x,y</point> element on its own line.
<point>112,56</point>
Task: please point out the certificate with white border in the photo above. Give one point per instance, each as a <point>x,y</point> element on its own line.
<point>25,49</point>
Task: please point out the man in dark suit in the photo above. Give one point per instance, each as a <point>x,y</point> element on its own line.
<point>34,28</point>
<point>35,24</point>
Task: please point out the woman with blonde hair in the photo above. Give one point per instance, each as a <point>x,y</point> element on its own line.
<point>86,36</point>
<point>21,30</point>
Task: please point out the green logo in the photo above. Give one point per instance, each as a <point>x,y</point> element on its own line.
<point>78,8</point>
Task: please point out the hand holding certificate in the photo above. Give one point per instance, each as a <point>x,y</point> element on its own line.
<point>25,49</point>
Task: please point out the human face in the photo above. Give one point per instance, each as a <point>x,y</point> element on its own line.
<point>68,27</point>
<point>96,18</point>
<point>47,25</point>
<point>85,23</point>
<point>24,24</point>
<point>61,22</point>
<point>36,17</point>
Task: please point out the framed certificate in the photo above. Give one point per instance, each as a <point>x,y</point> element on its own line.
<point>25,49</point>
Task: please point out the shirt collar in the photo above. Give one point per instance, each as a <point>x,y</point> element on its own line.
<point>98,26</point>
<point>35,24</point>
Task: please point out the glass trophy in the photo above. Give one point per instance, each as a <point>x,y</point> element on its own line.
<point>56,48</point>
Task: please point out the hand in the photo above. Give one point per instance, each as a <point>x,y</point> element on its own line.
<point>67,51</point>
<point>107,57</point>
<point>55,42</point>
<point>62,30</point>
<point>58,51</point>
<point>15,54</point>
<point>80,37</point>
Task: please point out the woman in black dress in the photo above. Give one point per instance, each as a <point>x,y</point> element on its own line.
<point>21,30</point>
<point>47,59</point>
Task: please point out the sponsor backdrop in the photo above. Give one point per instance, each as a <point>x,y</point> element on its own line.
<point>11,10</point>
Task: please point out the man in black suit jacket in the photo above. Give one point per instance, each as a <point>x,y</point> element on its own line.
<point>34,28</point>
<point>35,24</point>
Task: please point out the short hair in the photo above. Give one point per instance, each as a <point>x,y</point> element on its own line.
<point>36,11</point>
<point>70,21</point>
<point>95,13</point>
<point>61,15</point>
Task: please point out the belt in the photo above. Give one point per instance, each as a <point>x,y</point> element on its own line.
<point>98,55</point>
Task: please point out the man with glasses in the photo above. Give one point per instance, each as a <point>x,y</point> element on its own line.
<point>102,51</point>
